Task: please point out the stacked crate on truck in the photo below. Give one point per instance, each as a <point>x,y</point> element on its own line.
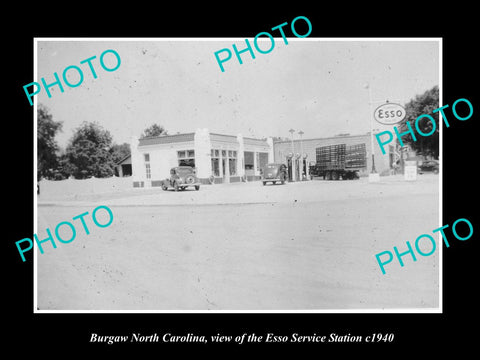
<point>339,161</point>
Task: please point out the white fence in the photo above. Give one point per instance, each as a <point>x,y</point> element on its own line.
<point>72,188</point>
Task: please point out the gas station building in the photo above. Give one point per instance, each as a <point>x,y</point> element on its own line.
<point>220,158</point>
<point>217,158</point>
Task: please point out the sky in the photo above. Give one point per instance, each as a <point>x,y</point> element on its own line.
<point>311,84</point>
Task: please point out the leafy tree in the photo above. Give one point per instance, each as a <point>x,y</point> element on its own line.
<point>89,152</point>
<point>153,130</point>
<point>47,147</point>
<point>422,104</point>
<point>120,151</point>
<point>63,170</point>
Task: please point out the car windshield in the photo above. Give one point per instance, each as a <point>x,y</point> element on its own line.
<point>184,171</point>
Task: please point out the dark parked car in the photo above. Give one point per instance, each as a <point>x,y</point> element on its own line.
<point>181,177</point>
<point>428,166</point>
<point>275,173</point>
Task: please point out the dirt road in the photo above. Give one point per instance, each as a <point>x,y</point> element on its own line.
<point>308,245</point>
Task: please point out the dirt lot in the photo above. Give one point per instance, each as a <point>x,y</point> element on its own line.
<point>308,245</point>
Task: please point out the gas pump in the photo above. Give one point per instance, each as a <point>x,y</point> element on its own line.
<point>304,167</point>
<point>297,167</point>
<point>289,166</point>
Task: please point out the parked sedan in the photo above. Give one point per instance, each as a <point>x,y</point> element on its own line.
<point>428,166</point>
<point>181,177</point>
<point>274,173</point>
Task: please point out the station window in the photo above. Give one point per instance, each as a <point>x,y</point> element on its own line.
<point>148,172</point>
<point>186,158</point>
<point>215,162</point>
<point>248,156</point>
<point>232,166</point>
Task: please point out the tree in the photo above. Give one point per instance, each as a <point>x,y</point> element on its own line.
<point>422,104</point>
<point>63,170</point>
<point>119,152</point>
<point>153,130</point>
<point>47,147</point>
<point>89,152</point>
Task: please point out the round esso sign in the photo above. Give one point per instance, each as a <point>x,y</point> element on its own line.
<point>389,113</point>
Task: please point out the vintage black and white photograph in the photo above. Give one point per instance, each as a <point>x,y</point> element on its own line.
<point>212,175</point>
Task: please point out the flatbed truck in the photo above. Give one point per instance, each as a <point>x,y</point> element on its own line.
<point>339,161</point>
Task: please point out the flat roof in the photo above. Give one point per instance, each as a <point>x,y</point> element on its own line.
<point>322,138</point>
<point>166,139</point>
<point>170,139</point>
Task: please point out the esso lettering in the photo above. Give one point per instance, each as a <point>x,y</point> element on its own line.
<point>392,114</point>
<point>275,338</point>
<point>389,114</point>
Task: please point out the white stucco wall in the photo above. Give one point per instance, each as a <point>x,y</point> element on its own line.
<point>161,161</point>
<point>270,151</point>
<point>138,172</point>
<point>164,156</point>
<point>203,158</point>
<point>240,156</point>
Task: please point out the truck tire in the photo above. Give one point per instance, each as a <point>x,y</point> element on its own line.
<point>328,175</point>
<point>334,175</point>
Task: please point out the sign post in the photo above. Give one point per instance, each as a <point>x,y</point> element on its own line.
<point>390,114</point>
<point>410,170</point>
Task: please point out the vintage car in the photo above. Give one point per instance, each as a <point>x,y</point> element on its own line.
<point>274,173</point>
<point>181,177</point>
<point>428,166</point>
